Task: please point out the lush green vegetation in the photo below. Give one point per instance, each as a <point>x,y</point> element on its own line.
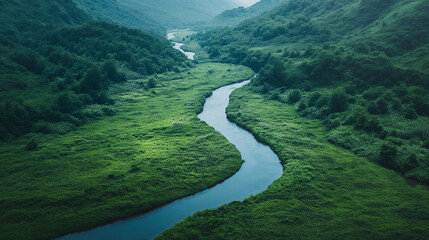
<point>113,11</point>
<point>53,73</point>
<point>326,192</point>
<point>154,150</point>
<point>360,66</point>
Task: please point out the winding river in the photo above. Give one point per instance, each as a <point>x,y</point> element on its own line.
<point>260,168</point>
<point>178,46</point>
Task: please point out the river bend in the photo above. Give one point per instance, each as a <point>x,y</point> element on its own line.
<point>260,168</point>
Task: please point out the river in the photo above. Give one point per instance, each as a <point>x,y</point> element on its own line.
<point>178,46</point>
<point>260,168</point>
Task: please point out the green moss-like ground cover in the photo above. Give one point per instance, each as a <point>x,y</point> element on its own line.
<point>154,150</point>
<point>326,192</point>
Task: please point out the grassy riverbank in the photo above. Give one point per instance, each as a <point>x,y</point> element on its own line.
<point>152,151</point>
<point>326,192</point>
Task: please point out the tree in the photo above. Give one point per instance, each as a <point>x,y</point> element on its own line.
<point>110,69</point>
<point>338,101</point>
<point>93,81</point>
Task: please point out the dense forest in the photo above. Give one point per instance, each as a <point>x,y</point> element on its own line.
<point>98,117</point>
<point>55,69</point>
<point>363,71</point>
<point>113,11</point>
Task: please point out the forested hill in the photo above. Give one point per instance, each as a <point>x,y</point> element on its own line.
<point>55,71</point>
<point>232,17</point>
<point>179,13</point>
<point>113,11</point>
<point>362,66</point>
<point>21,15</point>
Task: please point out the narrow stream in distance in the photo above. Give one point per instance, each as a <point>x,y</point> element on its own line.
<point>260,168</point>
<point>178,46</point>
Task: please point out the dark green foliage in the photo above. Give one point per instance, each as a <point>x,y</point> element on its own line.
<point>387,155</point>
<point>151,83</point>
<point>301,106</point>
<point>410,163</point>
<point>338,101</point>
<point>50,69</point>
<point>378,107</point>
<point>425,144</point>
<point>294,96</point>
<point>410,113</point>
<point>32,145</point>
<point>93,81</point>
<point>110,69</point>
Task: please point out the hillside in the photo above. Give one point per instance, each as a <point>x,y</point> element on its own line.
<point>21,15</point>
<point>112,11</point>
<point>360,66</point>
<point>54,67</point>
<point>233,17</point>
<point>173,13</point>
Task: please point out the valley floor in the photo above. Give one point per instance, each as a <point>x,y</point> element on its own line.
<point>325,192</point>
<point>153,151</point>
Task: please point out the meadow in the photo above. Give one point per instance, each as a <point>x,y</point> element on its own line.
<point>325,192</point>
<point>153,150</point>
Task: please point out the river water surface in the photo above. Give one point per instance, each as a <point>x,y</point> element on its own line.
<point>260,168</point>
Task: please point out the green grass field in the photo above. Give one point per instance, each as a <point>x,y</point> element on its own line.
<point>326,192</point>
<point>154,150</point>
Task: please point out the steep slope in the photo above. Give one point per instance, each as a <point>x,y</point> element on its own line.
<point>52,67</point>
<point>113,11</point>
<point>20,15</point>
<point>173,13</point>
<point>360,65</point>
<point>234,16</point>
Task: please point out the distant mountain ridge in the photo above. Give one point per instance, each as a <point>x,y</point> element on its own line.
<point>234,16</point>
<point>113,11</point>
<point>179,13</point>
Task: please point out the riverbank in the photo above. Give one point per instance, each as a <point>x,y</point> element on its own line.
<point>148,154</point>
<point>326,192</point>
<point>260,168</point>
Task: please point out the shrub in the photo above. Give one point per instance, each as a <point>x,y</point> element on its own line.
<point>338,101</point>
<point>313,98</point>
<point>410,162</point>
<point>294,96</point>
<point>378,107</point>
<point>387,154</point>
<point>301,106</point>
<point>151,83</point>
<point>322,101</point>
<point>32,145</point>
<point>411,114</point>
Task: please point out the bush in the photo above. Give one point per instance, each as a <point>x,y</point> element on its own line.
<point>338,101</point>
<point>378,107</point>
<point>301,106</point>
<point>410,163</point>
<point>387,154</point>
<point>32,145</point>
<point>294,96</point>
<point>411,114</point>
<point>151,83</point>
<point>313,98</point>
